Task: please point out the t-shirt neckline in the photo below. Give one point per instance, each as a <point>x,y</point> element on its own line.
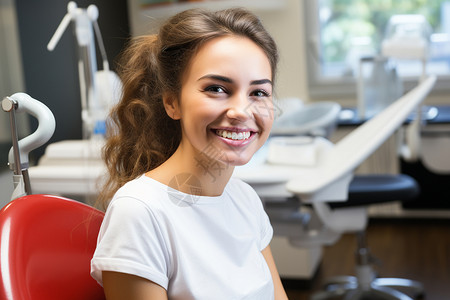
<point>184,199</point>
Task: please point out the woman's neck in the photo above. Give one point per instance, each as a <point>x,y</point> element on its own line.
<point>209,174</point>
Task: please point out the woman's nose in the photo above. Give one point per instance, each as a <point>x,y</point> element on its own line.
<point>239,108</point>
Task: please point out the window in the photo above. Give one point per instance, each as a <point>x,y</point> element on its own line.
<point>339,32</point>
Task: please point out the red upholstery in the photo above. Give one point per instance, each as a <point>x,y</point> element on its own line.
<point>47,243</point>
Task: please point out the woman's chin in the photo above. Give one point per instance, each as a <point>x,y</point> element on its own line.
<point>238,161</point>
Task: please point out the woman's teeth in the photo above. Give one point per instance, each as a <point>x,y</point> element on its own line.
<point>233,135</point>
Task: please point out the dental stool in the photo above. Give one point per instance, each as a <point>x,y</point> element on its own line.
<point>303,230</point>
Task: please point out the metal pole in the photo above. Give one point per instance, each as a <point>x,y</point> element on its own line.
<point>26,181</point>
<point>10,105</point>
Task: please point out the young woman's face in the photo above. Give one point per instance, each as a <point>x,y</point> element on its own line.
<point>225,107</point>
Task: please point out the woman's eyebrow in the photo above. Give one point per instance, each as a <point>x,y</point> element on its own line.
<point>261,81</point>
<point>229,80</point>
<point>216,77</point>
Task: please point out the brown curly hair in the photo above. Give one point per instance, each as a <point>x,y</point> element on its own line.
<point>140,134</point>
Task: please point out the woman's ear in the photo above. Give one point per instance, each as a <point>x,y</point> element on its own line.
<point>172,106</point>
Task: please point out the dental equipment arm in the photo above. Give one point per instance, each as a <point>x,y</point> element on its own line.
<point>329,181</point>
<point>62,26</point>
<point>85,21</point>
<point>18,155</point>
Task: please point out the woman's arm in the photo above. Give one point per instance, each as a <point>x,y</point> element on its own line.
<point>280,294</point>
<point>121,286</point>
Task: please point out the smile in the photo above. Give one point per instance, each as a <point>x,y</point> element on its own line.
<point>233,134</point>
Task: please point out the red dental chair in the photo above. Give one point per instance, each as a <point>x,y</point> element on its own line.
<point>46,244</point>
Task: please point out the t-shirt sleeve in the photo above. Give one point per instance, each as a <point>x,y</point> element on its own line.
<point>265,228</point>
<point>131,241</point>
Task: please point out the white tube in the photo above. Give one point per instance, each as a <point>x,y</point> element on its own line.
<point>59,31</point>
<point>45,130</point>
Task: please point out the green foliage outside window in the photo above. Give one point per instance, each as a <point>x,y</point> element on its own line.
<point>345,21</point>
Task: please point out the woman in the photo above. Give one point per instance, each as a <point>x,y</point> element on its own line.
<point>197,101</point>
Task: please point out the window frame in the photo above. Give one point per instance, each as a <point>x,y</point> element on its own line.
<point>322,88</point>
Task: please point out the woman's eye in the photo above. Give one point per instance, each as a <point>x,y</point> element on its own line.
<point>260,93</point>
<point>215,89</point>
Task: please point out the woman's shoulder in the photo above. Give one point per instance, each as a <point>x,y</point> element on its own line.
<point>242,192</point>
<point>237,185</point>
<point>142,191</point>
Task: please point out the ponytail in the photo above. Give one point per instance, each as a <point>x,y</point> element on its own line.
<point>140,134</point>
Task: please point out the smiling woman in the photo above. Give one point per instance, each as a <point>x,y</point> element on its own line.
<point>197,101</point>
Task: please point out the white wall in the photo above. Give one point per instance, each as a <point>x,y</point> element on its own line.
<point>286,26</point>
<point>11,74</point>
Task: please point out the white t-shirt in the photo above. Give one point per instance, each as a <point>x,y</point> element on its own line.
<point>195,247</point>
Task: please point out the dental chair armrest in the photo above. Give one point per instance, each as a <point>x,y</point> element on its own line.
<point>307,189</point>
<point>331,177</point>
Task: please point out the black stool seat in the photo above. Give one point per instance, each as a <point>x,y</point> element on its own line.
<point>372,189</point>
<point>363,190</point>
